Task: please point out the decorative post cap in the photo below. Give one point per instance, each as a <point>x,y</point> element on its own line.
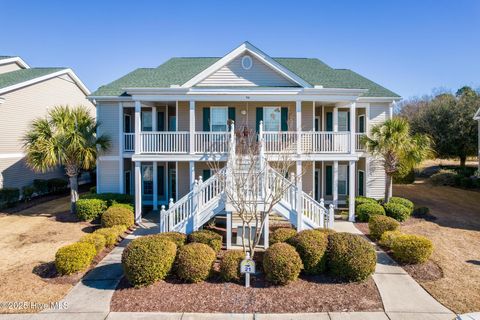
<point>200,179</point>
<point>170,203</point>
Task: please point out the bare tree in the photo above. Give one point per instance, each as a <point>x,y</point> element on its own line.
<point>255,183</point>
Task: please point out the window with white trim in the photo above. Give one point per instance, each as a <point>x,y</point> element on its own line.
<point>343,121</point>
<point>342,179</point>
<point>147,121</point>
<point>271,118</point>
<point>218,119</point>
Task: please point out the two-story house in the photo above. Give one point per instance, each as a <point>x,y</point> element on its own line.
<point>26,94</point>
<point>163,121</point>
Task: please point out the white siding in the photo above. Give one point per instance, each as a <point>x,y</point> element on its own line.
<point>108,176</point>
<point>378,114</point>
<point>259,74</point>
<point>8,67</point>
<point>108,114</point>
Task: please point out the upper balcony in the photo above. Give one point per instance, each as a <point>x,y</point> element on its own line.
<point>311,142</point>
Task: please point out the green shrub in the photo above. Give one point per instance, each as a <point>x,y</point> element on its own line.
<point>467,182</point>
<point>366,210</point>
<point>362,199</point>
<point>111,234</point>
<point>9,197</point>
<point>110,198</point>
<point>230,265</point>
<point>386,240</point>
<point>282,263</point>
<point>407,178</point>
<point>410,248</point>
<point>27,192</point>
<point>90,209</point>
<point>148,259</point>
<point>326,231</point>
<point>115,216</point>
<point>311,245</point>
<point>41,186</point>
<point>177,237</point>
<point>57,185</point>
<point>379,224</point>
<point>350,257</point>
<point>443,178</point>
<point>194,262</point>
<point>74,257</point>
<point>123,205</point>
<point>281,235</point>
<point>421,211</point>
<point>397,211</point>
<point>404,202</point>
<point>96,239</point>
<point>210,238</point>
<point>93,190</point>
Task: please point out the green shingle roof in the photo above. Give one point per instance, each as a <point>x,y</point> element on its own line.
<point>14,77</point>
<point>177,71</point>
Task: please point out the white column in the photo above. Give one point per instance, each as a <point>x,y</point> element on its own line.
<point>138,192</point>
<point>154,119</point>
<point>191,167</point>
<point>138,126</point>
<point>353,120</point>
<point>335,183</point>
<point>121,140</point>
<point>299,208</point>
<point>155,185</point>
<point>298,120</point>
<point>351,191</point>
<point>335,119</point>
<point>390,110</point>
<point>229,229</point>
<point>266,228</point>
<point>192,126</point>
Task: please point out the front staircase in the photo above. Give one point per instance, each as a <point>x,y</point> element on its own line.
<point>208,198</point>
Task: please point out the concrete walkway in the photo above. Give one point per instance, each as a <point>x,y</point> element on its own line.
<point>402,296</point>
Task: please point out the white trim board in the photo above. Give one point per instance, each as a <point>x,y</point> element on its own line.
<point>11,155</point>
<point>67,71</point>
<point>17,60</point>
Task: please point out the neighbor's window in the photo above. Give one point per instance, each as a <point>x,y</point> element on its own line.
<point>218,118</point>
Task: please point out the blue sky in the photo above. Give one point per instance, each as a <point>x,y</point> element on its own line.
<point>411,47</point>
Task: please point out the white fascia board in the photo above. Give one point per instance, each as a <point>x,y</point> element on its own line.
<point>16,60</point>
<point>46,77</point>
<point>246,47</point>
<point>379,99</point>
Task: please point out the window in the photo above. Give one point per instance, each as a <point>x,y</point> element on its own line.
<point>342,179</point>
<point>361,123</point>
<point>128,182</point>
<point>147,177</point>
<point>343,121</point>
<point>361,182</point>
<point>218,119</point>
<point>247,62</point>
<point>271,119</point>
<point>146,121</point>
<point>127,123</point>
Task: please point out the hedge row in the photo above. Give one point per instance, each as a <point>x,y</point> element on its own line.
<point>398,208</point>
<point>120,210</point>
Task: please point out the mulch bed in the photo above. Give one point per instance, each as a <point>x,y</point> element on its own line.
<point>308,294</point>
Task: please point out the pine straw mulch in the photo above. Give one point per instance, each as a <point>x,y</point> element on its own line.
<point>307,294</point>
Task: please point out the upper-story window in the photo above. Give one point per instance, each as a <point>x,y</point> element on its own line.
<point>343,121</point>
<point>272,118</point>
<point>247,62</point>
<point>147,121</point>
<point>218,119</point>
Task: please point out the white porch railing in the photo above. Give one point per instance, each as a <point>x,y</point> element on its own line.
<point>325,142</point>
<point>129,142</point>
<point>164,142</point>
<point>280,141</point>
<point>207,142</point>
<point>359,146</point>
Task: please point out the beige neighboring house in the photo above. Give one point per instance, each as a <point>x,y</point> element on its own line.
<point>25,94</point>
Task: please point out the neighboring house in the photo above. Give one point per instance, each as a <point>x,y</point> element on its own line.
<point>477,117</point>
<point>26,94</point>
<point>166,123</point>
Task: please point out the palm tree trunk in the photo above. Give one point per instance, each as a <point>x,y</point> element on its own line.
<point>463,160</point>
<point>388,188</point>
<point>73,193</point>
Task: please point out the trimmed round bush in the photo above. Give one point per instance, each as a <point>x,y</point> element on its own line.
<point>362,199</point>
<point>397,211</point>
<point>411,248</point>
<point>404,202</point>
<point>311,245</point>
<point>148,259</point>
<point>368,209</point>
<point>110,198</point>
<point>111,234</point>
<point>443,178</point>
<point>115,216</point>
<point>74,257</point>
<point>379,224</point>
<point>350,257</point>
<point>96,239</point>
<point>194,262</point>
<point>176,237</point>
<point>387,238</point>
<point>123,205</point>
<point>282,263</point>
<point>326,231</point>
<point>281,235</point>
<point>210,238</point>
<point>90,209</point>
<point>230,265</point>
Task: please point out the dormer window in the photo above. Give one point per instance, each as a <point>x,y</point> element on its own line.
<point>247,62</point>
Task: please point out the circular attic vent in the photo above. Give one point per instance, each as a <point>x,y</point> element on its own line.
<point>247,62</point>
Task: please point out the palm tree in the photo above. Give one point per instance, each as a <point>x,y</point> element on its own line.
<point>66,137</point>
<point>399,150</point>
